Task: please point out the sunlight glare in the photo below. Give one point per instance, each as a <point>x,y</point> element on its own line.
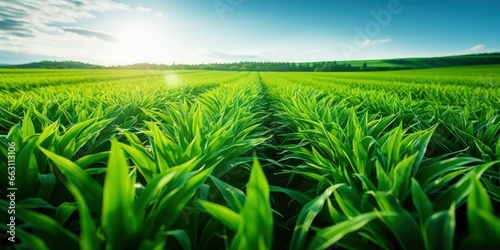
<point>172,80</point>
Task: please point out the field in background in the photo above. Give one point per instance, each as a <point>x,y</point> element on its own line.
<point>255,160</point>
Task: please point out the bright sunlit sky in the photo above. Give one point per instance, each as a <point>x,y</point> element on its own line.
<point>200,31</point>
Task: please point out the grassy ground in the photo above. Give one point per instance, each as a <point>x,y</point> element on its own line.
<point>263,160</point>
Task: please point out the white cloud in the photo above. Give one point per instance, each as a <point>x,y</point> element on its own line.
<point>30,18</point>
<point>368,42</point>
<point>211,55</point>
<point>144,9</point>
<point>92,34</point>
<point>32,26</point>
<point>149,10</point>
<point>478,47</point>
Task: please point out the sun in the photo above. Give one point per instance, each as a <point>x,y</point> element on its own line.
<point>140,43</point>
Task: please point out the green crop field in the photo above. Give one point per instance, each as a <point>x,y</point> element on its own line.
<point>152,159</point>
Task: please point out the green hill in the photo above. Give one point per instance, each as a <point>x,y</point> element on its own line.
<point>433,62</point>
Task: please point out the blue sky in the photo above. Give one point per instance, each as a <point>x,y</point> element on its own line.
<point>201,31</point>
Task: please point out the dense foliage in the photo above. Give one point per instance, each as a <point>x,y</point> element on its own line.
<point>135,159</point>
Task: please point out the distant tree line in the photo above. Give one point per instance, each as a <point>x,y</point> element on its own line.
<point>328,66</point>
<point>258,66</point>
<point>56,65</point>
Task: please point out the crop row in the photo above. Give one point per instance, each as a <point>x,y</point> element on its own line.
<point>118,99</point>
<point>83,185</point>
<point>381,173</point>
